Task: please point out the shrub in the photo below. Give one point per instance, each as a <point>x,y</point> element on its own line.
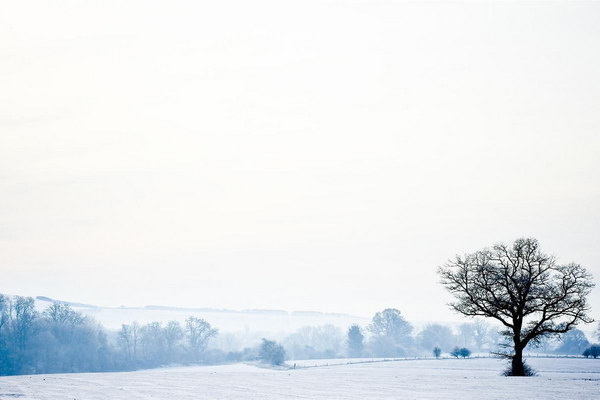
<point>527,370</point>
<point>271,352</point>
<point>462,352</point>
<point>592,351</point>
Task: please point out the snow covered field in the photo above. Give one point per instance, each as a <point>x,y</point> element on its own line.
<point>411,379</point>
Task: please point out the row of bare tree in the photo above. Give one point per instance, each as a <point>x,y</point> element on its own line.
<point>153,344</point>
<point>60,339</point>
<point>57,340</point>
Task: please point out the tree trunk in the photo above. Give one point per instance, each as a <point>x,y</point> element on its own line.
<point>517,367</point>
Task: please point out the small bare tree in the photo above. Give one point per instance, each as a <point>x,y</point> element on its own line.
<point>23,320</point>
<point>5,310</point>
<point>172,333</point>
<point>128,339</point>
<point>522,288</point>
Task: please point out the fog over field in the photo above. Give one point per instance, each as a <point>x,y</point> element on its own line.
<point>257,183</point>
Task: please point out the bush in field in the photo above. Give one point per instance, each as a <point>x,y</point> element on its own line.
<point>462,352</point>
<point>528,371</point>
<point>592,351</point>
<point>271,352</point>
<point>437,352</point>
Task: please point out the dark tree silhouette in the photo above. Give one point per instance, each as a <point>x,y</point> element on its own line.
<point>592,351</point>
<point>460,352</point>
<point>522,288</point>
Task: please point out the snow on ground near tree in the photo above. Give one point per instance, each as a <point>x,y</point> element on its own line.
<point>410,379</point>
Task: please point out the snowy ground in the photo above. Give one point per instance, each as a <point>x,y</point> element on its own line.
<point>410,379</point>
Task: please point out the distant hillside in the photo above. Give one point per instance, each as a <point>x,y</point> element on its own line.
<point>72,304</point>
<point>276,322</point>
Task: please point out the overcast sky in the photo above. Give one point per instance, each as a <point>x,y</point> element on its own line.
<point>299,155</point>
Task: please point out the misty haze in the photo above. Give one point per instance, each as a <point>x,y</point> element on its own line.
<point>316,199</point>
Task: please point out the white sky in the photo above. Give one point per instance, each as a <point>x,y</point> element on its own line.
<point>323,155</point>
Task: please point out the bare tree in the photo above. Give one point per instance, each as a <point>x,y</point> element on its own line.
<point>24,315</point>
<point>62,320</point>
<point>153,343</point>
<point>436,335</point>
<point>129,338</point>
<point>4,311</point>
<point>522,288</point>
<point>124,338</point>
<point>172,333</point>
<point>390,333</point>
<point>198,333</point>
<point>63,314</point>
<point>390,322</point>
<point>481,332</point>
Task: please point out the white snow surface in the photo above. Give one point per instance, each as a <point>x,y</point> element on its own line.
<point>406,379</point>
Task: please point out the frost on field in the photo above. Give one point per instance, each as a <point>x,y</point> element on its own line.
<point>431,379</point>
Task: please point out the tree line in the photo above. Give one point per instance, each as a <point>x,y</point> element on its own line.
<point>59,339</point>
<point>389,334</point>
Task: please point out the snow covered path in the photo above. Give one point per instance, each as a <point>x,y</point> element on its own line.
<point>412,379</point>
